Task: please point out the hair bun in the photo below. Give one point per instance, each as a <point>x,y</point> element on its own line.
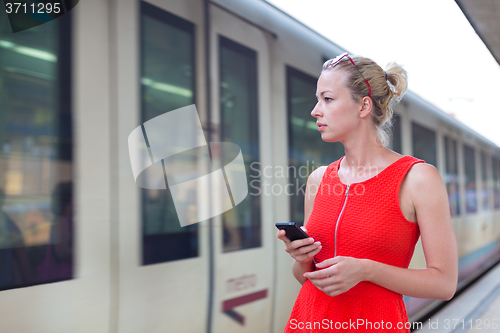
<point>397,79</point>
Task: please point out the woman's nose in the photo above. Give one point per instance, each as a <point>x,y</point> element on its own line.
<point>316,112</point>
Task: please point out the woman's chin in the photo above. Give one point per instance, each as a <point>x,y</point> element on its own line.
<point>328,138</point>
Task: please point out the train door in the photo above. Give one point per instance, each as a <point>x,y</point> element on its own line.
<point>160,268</point>
<point>214,275</point>
<point>241,114</point>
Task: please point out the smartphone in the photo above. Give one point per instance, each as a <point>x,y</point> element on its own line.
<point>293,231</point>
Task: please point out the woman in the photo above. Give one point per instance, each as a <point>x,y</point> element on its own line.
<point>365,212</point>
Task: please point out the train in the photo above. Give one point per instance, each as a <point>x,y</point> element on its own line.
<point>83,248</point>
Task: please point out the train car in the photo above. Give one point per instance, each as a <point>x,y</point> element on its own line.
<point>84,249</point>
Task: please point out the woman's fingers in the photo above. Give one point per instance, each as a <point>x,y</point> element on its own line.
<point>300,249</point>
<point>306,252</point>
<point>301,242</point>
<point>281,234</point>
<point>325,281</point>
<point>303,249</point>
<point>301,246</point>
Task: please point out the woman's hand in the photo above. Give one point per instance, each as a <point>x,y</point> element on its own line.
<point>337,275</point>
<point>302,250</point>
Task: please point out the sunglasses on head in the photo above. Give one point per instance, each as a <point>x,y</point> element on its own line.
<point>346,55</point>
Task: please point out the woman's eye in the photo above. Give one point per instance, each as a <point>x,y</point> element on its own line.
<point>327,99</point>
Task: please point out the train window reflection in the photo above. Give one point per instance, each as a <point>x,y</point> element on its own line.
<point>36,192</point>
<point>470,179</point>
<point>495,164</point>
<point>239,125</point>
<point>167,83</point>
<point>307,151</point>
<point>424,144</point>
<point>484,182</point>
<point>451,178</point>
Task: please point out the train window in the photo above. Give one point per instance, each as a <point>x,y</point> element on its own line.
<point>240,125</point>
<point>424,144</point>
<point>484,183</point>
<point>396,134</point>
<point>36,159</point>
<point>495,163</point>
<point>470,179</point>
<point>451,178</point>
<point>307,151</point>
<point>167,83</point>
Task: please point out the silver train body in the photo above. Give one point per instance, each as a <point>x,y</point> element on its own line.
<point>235,276</point>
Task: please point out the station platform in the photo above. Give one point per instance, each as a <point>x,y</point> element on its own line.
<point>477,309</point>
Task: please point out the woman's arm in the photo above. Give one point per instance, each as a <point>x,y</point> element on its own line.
<point>438,280</point>
<point>299,268</point>
<point>304,250</point>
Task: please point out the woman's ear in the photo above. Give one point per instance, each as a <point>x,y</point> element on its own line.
<point>366,107</point>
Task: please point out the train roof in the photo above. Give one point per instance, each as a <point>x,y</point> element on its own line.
<point>445,117</point>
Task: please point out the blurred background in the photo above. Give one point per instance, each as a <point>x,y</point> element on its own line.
<point>84,249</point>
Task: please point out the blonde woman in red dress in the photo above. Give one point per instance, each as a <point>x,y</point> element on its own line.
<point>365,212</point>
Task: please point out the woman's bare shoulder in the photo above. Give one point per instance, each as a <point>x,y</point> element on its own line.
<point>423,174</point>
<point>421,180</point>
<point>312,187</point>
<point>313,183</point>
<point>316,176</point>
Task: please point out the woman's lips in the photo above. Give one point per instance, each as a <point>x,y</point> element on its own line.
<point>321,126</point>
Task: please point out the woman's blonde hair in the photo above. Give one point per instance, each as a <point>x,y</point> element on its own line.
<point>387,89</point>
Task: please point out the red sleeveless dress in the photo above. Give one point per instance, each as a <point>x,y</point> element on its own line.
<point>370,226</point>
